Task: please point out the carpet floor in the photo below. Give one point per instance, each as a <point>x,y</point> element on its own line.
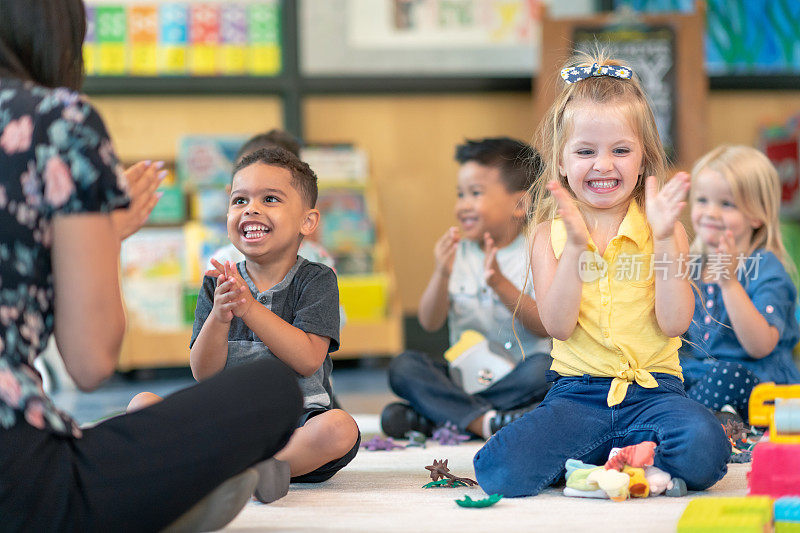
<point>381,491</point>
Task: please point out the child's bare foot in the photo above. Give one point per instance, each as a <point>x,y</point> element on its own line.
<point>142,400</point>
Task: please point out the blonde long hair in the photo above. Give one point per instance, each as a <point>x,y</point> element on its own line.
<point>626,95</point>
<point>756,190</point>
<point>556,127</point>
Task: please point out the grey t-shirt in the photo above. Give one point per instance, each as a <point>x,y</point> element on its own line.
<point>307,298</point>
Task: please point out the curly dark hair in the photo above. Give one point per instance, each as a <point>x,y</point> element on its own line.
<point>303,178</point>
<point>519,163</point>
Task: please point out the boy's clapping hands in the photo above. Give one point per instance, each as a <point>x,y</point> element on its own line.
<point>231,297</point>
<point>245,301</point>
<point>491,268</point>
<point>445,251</point>
<point>218,269</point>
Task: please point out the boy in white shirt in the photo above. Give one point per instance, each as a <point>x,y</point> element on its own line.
<point>481,282</point>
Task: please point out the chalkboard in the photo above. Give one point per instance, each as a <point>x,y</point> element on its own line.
<point>475,38</point>
<point>665,50</point>
<point>650,51</point>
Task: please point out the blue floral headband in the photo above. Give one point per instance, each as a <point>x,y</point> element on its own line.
<point>575,74</point>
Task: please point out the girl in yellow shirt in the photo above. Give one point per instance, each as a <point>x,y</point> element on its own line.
<point>606,258</point>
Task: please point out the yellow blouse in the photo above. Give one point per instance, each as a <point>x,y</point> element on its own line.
<point>617,334</point>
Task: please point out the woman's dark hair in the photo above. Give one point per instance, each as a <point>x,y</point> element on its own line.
<point>41,41</point>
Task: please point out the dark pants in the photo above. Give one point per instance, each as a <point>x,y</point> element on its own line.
<point>716,383</point>
<point>139,472</point>
<point>426,385</point>
<point>575,422</point>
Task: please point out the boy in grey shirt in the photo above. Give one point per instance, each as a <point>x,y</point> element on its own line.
<point>278,305</point>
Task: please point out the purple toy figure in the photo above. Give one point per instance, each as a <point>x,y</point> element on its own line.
<point>378,443</point>
<point>448,435</point>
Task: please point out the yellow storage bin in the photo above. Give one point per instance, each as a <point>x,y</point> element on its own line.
<point>364,297</point>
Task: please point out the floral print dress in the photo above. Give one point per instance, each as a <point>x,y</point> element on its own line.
<point>55,158</point>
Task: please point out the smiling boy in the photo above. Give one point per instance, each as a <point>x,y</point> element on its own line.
<point>481,282</point>
<point>278,305</point>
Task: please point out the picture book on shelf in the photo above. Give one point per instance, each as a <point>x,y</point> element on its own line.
<point>152,262</point>
<point>153,253</point>
<point>207,160</point>
<point>165,38</point>
<point>346,229</point>
<point>336,164</point>
<point>781,144</point>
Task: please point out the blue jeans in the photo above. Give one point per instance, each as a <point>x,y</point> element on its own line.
<point>426,385</point>
<point>574,421</point>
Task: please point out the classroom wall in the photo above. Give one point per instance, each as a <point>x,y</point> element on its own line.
<point>734,116</point>
<point>149,127</point>
<point>409,140</point>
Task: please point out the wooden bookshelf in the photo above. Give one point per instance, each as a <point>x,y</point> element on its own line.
<point>384,336</point>
<point>145,348</point>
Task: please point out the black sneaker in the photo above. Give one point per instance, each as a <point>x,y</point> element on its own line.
<point>398,418</point>
<point>504,418</point>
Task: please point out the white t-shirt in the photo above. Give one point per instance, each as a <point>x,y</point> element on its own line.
<point>474,305</point>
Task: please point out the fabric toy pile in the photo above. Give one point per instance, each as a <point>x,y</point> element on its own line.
<point>629,472</point>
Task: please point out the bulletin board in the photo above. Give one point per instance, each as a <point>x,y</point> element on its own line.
<point>743,37</point>
<point>391,38</point>
<point>665,50</point>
